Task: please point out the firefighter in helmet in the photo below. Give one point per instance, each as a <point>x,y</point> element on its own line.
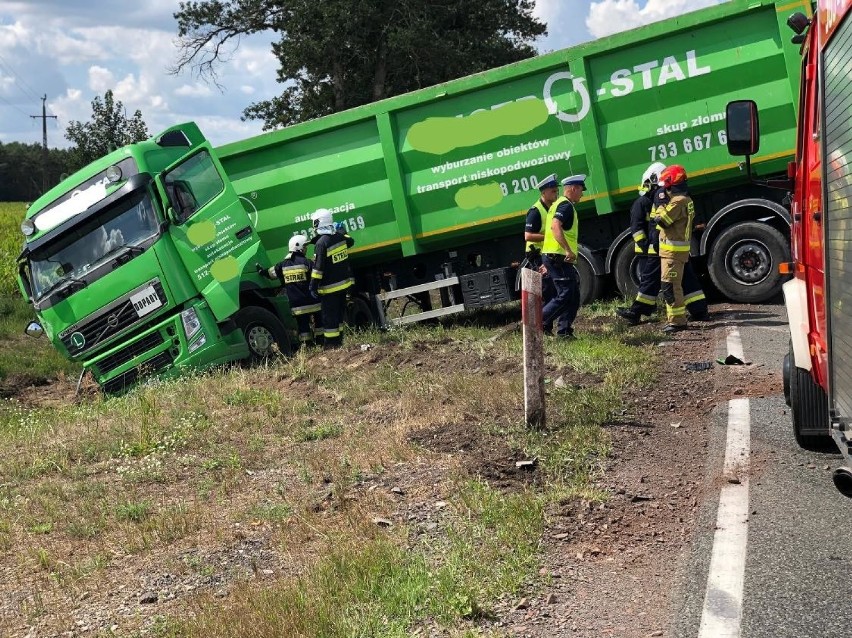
<point>294,273</point>
<point>674,221</point>
<point>332,274</point>
<point>646,247</point>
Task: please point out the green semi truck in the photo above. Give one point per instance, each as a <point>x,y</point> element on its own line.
<point>144,261</point>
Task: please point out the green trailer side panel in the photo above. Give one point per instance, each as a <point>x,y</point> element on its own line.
<point>459,162</point>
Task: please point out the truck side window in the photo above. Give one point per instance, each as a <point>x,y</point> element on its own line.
<point>192,185</point>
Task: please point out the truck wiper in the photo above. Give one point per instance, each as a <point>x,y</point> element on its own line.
<point>66,287</point>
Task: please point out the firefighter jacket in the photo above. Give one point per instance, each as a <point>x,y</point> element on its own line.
<point>332,270</point>
<point>294,273</point>
<point>643,232</point>
<point>675,225</point>
<point>535,224</point>
<point>563,210</point>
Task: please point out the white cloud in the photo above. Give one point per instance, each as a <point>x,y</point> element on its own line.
<point>247,90</point>
<point>100,79</point>
<point>612,16</point>
<point>194,90</point>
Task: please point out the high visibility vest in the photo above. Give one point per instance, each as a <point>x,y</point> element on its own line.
<point>551,246</point>
<point>543,212</point>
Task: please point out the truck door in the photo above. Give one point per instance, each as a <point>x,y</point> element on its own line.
<point>210,229</point>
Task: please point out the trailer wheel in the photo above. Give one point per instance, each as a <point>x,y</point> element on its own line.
<point>265,335</point>
<point>809,407</point>
<point>626,270</point>
<point>358,313</point>
<point>744,260</point>
<point>590,283</point>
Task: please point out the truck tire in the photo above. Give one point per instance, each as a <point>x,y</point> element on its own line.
<point>264,333</point>
<point>809,408</point>
<point>743,262</point>
<point>358,313</point>
<point>590,283</point>
<point>626,271</point>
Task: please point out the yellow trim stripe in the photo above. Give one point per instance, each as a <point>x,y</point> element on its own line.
<point>793,5</point>
<point>498,218</point>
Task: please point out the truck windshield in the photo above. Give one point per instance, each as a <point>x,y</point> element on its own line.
<point>123,227</point>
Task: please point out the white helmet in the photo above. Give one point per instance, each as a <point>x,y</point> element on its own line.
<point>651,175</point>
<point>297,243</point>
<point>322,217</point>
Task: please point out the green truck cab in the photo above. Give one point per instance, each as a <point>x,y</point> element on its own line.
<point>144,263</point>
<point>433,186</point>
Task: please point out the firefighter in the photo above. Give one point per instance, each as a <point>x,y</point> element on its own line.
<point>534,236</point>
<point>646,246</point>
<point>331,275</point>
<point>674,221</point>
<point>294,273</point>
<point>560,250</point>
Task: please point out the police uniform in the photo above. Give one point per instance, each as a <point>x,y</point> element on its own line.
<point>294,273</point>
<point>566,279</point>
<point>646,246</point>
<point>330,279</point>
<point>536,216</point>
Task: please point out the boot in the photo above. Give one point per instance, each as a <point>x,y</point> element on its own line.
<point>632,317</point>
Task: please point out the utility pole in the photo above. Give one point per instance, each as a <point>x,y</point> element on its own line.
<point>44,117</point>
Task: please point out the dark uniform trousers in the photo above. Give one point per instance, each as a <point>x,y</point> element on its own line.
<point>548,290</point>
<point>333,306</point>
<point>649,288</point>
<point>564,306</point>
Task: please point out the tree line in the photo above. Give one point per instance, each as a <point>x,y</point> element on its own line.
<point>333,55</point>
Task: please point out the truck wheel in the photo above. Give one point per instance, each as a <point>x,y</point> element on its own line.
<point>264,333</point>
<point>743,262</point>
<point>358,314</point>
<point>590,283</point>
<point>626,271</point>
<point>809,407</point>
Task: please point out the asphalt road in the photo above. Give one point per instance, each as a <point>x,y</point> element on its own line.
<point>798,560</point>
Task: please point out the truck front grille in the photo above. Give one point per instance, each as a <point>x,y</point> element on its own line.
<point>127,379</point>
<point>101,326</point>
<point>136,348</point>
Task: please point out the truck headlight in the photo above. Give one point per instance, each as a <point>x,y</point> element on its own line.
<point>195,345</point>
<point>191,323</point>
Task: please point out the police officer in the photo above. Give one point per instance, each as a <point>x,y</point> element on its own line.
<point>560,251</point>
<point>646,247</point>
<point>534,235</point>
<point>294,273</point>
<point>674,221</point>
<point>331,275</point>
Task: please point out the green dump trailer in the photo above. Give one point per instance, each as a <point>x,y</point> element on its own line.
<point>144,262</point>
<point>436,183</point>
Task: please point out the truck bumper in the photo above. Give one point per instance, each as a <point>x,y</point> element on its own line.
<point>165,350</point>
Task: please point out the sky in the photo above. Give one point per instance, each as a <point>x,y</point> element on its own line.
<point>74,50</point>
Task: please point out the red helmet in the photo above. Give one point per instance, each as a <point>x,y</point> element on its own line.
<point>674,174</point>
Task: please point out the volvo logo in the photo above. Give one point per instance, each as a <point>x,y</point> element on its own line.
<point>112,321</point>
<point>78,340</point>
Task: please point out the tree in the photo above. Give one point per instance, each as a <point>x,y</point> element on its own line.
<point>108,130</point>
<point>337,54</point>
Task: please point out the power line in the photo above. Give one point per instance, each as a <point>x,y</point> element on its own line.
<point>14,106</point>
<point>23,85</point>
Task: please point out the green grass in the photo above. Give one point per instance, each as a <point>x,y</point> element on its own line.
<point>289,449</point>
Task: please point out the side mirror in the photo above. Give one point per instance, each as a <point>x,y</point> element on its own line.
<point>743,127</point>
<point>34,329</point>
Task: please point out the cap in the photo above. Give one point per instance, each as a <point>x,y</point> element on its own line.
<point>575,180</point>
<point>548,182</point>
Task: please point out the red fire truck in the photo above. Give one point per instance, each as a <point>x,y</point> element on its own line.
<point>818,296</point>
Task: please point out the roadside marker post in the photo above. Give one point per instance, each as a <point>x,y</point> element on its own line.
<point>533,348</point>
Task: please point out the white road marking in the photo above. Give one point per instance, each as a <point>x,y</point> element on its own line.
<point>722,612</point>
